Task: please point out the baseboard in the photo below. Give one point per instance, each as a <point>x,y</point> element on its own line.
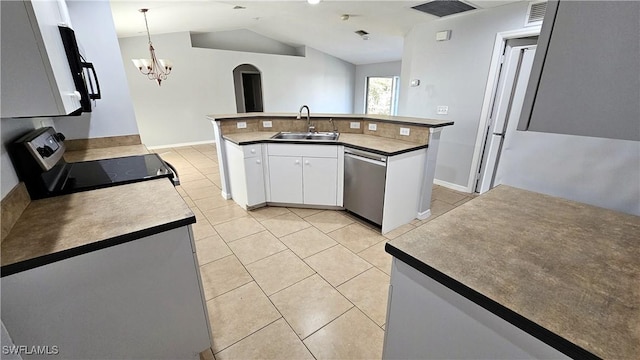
<point>181,144</point>
<point>424,214</point>
<point>452,186</point>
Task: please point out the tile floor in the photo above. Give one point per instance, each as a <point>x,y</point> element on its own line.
<point>288,283</point>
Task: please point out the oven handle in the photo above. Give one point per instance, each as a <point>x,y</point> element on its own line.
<point>175,180</point>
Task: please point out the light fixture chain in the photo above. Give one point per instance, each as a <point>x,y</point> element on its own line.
<point>146,24</point>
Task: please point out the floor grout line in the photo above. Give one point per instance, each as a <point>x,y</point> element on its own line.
<point>205,156</point>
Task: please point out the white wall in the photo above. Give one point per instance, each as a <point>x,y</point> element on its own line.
<point>202,83</point>
<point>454,73</point>
<point>392,68</point>
<point>112,115</point>
<point>243,40</point>
<point>597,171</point>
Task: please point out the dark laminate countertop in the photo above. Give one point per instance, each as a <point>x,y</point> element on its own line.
<point>384,118</point>
<point>60,227</point>
<point>567,273</point>
<point>377,144</point>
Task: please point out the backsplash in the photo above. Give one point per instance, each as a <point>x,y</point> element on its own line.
<point>418,134</point>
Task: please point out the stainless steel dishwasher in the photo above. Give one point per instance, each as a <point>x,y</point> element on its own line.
<point>364,179</point>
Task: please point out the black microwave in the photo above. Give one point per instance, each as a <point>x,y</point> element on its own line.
<point>84,74</point>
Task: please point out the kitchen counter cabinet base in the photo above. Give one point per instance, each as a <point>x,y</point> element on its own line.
<point>246,174</point>
<point>427,320</point>
<point>140,299</point>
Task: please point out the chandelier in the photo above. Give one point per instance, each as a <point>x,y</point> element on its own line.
<point>154,68</point>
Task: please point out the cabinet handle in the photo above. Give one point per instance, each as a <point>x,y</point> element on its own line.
<point>253,151</point>
<point>306,162</point>
<point>297,161</point>
<point>258,162</point>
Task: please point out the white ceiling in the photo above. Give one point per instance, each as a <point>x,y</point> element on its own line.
<point>293,22</point>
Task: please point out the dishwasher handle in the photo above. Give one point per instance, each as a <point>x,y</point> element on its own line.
<point>370,158</point>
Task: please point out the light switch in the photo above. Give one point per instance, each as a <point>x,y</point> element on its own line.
<point>405,131</point>
<point>442,110</point>
<point>242,124</point>
<point>355,125</point>
<point>267,124</point>
<point>373,127</point>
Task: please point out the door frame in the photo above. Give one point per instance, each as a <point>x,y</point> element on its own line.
<point>512,69</point>
<point>489,92</point>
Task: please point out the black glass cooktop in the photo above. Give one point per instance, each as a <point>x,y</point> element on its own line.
<point>89,175</point>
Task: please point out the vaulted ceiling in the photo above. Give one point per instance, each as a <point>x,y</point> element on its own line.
<point>294,22</point>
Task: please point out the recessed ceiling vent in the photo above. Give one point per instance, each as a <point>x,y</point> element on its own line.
<point>442,8</point>
<point>535,13</point>
<point>363,34</point>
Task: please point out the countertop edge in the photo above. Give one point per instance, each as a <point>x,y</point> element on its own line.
<point>29,264</point>
<point>336,142</point>
<point>400,120</point>
<point>548,337</point>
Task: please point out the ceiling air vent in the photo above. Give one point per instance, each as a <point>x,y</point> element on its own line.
<point>535,13</point>
<point>442,8</point>
<point>363,34</point>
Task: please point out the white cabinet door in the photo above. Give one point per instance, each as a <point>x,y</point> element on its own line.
<point>36,78</point>
<point>123,291</point>
<point>320,181</point>
<point>285,177</point>
<point>255,181</point>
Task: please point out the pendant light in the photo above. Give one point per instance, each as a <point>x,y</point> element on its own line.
<point>154,68</point>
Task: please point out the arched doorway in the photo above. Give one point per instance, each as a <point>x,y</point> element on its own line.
<point>247,81</point>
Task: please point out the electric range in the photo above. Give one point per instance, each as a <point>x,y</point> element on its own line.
<point>38,160</point>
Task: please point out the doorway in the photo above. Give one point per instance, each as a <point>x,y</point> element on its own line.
<point>248,88</point>
<point>506,105</point>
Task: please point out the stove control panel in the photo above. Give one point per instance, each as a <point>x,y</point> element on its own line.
<point>46,147</point>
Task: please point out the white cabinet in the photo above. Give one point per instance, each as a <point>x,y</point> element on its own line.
<point>427,320</point>
<point>246,174</point>
<point>304,174</point>
<point>36,78</point>
<point>139,299</point>
<point>285,178</point>
<point>320,180</point>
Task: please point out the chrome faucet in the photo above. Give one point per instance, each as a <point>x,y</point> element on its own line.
<point>311,128</point>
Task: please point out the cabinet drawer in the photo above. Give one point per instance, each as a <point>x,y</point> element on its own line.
<point>328,151</point>
<point>253,150</point>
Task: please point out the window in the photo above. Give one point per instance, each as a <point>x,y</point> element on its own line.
<point>382,95</point>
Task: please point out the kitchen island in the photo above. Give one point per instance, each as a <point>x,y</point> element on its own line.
<point>107,273</point>
<point>517,274</point>
<point>257,169</point>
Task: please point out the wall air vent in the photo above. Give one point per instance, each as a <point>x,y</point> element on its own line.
<point>535,13</point>
<point>442,8</point>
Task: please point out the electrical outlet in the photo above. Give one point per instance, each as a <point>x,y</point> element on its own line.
<point>242,124</point>
<point>267,124</point>
<point>405,131</point>
<point>354,125</point>
<point>373,127</point>
<point>442,110</point>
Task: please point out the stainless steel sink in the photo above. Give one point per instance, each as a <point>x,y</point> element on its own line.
<point>312,136</point>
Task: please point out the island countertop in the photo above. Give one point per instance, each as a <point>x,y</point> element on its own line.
<point>416,121</point>
<point>377,144</point>
<point>567,273</point>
